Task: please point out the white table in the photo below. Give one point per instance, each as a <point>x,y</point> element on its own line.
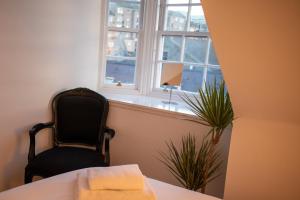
<point>62,187</point>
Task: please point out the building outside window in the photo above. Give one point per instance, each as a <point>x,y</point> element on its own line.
<point>181,37</point>
<point>122,38</point>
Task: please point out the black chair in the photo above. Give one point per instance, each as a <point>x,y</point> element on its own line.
<point>79,118</point>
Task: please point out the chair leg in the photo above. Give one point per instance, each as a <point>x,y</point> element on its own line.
<point>28,176</point>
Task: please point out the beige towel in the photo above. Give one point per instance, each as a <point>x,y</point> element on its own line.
<point>84,193</point>
<point>124,177</point>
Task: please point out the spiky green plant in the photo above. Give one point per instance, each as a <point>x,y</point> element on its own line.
<point>213,108</point>
<point>192,167</point>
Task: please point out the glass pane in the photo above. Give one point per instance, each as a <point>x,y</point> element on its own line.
<point>176,18</point>
<point>119,70</point>
<point>195,49</point>
<point>214,74</point>
<point>195,1</point>
<point>212,59</point>
<point>177,1</point>
<point>192,78</point>
<point>197,22</point>
<point>124,14</point>
<point>172,48</point>
<point>121,44</point>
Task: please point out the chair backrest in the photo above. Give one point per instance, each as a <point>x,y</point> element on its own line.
<point>80,117</point>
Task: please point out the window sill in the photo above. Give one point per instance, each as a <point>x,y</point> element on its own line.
<point>150,105</point>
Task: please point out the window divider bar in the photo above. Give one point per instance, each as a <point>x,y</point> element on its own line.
<point>159,44</point>
<point>121,57</point>
<point>213,66</point>
<point>127,1</point>
<point>182,49</point>
<point>206,64</point>
<point>184,33</point>
<point>187,26</point>
<point>102,44</point>
<point>188,63</point>
<point>119,29</point>
<point>142,14</point>
<point>204,77</point>
<point>184,4</point>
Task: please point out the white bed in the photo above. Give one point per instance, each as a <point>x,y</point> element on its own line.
<point>62,187</point>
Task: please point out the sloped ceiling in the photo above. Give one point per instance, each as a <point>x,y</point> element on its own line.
<point>258,45</point>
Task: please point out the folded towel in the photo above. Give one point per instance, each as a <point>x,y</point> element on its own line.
<point>124,177</point>
<point>84,193</point>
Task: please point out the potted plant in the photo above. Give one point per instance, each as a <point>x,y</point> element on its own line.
<point>195,168</point>
<point>192,167</point>
<point>213,108</point>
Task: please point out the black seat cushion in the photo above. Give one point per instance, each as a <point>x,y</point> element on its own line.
<point>64,159</point>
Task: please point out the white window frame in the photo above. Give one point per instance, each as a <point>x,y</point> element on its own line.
<point>156,91</point>
<point>149,50</point>
<point>104,29</point>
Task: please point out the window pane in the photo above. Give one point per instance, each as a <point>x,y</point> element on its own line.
<point>197,20</point>
<point>121,44</point>
<point>192,78</point>
<point>195,49</point>
<point>172,48</point>
<point>177,1</point>
<point>124,14</point>
<point>213,60</point>
<point>195,1</point>
<point>176,18</point>
<point>214,74</point>
<point>120,70</point>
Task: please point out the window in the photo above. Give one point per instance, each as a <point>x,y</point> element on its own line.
<point>141,37</point>
<point>184,39</point>
<point>123,25</point>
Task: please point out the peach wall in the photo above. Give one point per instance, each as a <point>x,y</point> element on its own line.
<point>171,73</point>
<point>45,47</point>
<point>264,161</point>
<point>257,43</point>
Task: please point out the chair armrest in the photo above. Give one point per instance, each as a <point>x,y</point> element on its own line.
<point>108,135</point>
<point>32,132</point>
<point>36,128</point>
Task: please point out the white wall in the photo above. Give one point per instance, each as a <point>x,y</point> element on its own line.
<point>257,43</point>
<point>141,136</point>
<point>45,47</point>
